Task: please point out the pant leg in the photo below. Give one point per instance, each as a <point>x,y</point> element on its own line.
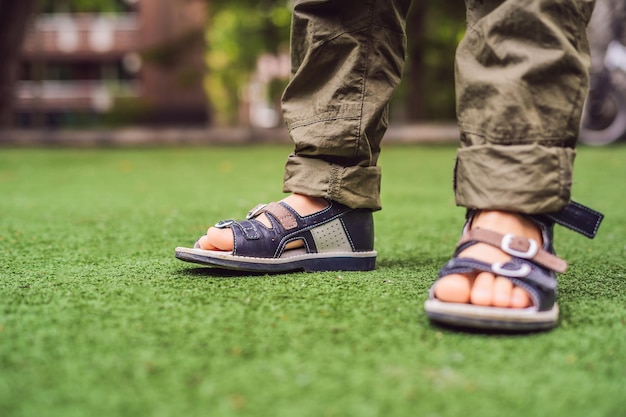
<point>521,80</point>
<point>347,59</point>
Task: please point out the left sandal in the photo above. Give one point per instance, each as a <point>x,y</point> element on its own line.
<point>531,267</point>
<point>337,238</point>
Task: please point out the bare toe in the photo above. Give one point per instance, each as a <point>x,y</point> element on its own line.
<point>502,290</point>
<point>453,289</point>
<point>205,243</point>
<point>482,290</point>
<point>217,239</point>
<point>520,298</point>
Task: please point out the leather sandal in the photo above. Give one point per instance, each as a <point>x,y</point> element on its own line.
<point>531,267</point>
<point>336,238</point>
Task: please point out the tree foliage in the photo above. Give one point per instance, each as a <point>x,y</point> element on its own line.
<point>240,31</point>
<point>237,34</point>
<point>434,29</point>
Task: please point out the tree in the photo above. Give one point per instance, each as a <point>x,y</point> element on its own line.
<point>14,18</point>
<point>237,34</point>
<point>434,29</point>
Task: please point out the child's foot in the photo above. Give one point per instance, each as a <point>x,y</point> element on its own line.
<point>222,239</point>
<point>299,233</point>
<point>502,275</point>
<point>485,288</point>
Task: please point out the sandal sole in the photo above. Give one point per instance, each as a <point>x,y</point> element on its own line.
<point>312,262</point>
<point>491,318</point>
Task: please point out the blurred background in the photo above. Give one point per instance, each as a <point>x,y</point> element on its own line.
<point>106,65</point>
<point>80,64</point>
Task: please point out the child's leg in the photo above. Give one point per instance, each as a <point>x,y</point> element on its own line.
<point>347,58</point>
<point>521,82</point>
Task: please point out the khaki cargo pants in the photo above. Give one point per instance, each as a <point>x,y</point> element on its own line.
<point>521,80</point>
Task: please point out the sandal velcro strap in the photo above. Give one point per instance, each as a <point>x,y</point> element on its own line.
<point>579,218</point>
<point>516,270</point>
<point>285,217</point>
<point>538,283</point>
<point>517,246</point>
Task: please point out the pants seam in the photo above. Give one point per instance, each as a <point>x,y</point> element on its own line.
<point>364,82</point>
<point>335,182</point>
<point>581,91</point>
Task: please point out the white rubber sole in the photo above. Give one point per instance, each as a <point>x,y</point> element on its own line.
<point>491,318</point>
<point>294,260</point>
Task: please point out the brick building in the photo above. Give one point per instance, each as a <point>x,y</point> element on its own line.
<point>142,64</point>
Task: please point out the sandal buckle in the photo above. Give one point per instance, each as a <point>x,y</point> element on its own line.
<point>505,245</point>
<point>255,211</point>
<point>223,224</point>
<point>521,272</point>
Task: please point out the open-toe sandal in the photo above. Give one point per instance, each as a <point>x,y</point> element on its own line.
<point>532,267</point>
<point>336,238</point>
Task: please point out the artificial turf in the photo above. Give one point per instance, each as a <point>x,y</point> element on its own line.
<point>97,318</point>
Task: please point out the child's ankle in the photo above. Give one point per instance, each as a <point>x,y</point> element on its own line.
<point>305,205</point>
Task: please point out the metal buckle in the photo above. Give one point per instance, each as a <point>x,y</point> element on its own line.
<point>223,224</point>
<point>499,269</point>
<point>505,245</point>
<point>255,211</point>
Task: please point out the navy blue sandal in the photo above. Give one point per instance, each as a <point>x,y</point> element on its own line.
<point>531,267</point>
<point>336,238</point>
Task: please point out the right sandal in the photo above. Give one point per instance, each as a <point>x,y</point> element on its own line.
<point>531,267</point>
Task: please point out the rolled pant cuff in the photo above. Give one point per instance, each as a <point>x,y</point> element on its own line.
<point>354,186</point>
<point>520,178</point>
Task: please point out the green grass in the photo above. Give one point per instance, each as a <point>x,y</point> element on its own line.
<point>97,318</point>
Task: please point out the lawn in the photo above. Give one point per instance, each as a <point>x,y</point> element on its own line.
<point>97,317</point>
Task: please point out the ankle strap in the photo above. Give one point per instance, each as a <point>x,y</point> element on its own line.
<point>579,218</point>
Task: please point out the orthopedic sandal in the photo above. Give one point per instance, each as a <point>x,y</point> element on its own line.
<point>336,238</point>
<point>531,267</point>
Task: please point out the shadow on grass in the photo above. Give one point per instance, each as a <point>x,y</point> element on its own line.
<point>388,264</point>
<point>206,272</point>
<point>384,264</point>
<point>486,332</point>
<point>421,263</point>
